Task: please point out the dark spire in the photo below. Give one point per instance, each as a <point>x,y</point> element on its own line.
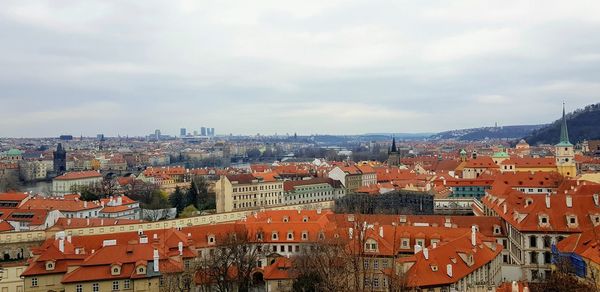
<point>564,132</point>
<point>394,149</point>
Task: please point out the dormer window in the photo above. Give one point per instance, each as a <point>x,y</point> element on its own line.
<point>528,202</point>
<point>595,219</point>
<point>543,220</point>
<point>259,236</point>
<point>497,230</point>
<point>371,245</point>
<point>305,235</point>
<point>305,219</point>
<point>286,219</point>
<point>405,243</point>
<point>290,235</point>
<point>572,220</point>
<point>115,270</point>
<point>141,270</point>
<point>434,268</point>
<point>50,265</point>
<point>420,242</point>
<point>274,236</point>
<point>211,239</point>
<point>321,236</point>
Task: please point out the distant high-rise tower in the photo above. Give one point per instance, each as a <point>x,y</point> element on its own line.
<point>565,155</point>
<point>182,132</point>
<point>60,160</point>
<point>212,132</point>
<point>157,134</point>
<point>393,154</point>
<point>203,131</point>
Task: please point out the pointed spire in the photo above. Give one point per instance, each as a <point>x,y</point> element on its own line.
<point>564,132</point>
<point>394,149</point>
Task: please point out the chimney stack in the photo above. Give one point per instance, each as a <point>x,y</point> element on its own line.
<point>569,201</point>
<point>155,260</point>
<point>426,253</point>
<point>547,201</point>
<point>473,236</point>
<point>381,231</point>
<point>596,199</point>
<point>418,248</point>
<point>180,248</point>
<point>449,270</point>
<point>61,245</point>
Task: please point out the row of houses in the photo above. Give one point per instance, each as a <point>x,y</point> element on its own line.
<point>376,252</point>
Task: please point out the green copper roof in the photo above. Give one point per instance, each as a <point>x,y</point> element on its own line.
<point>14,152</point>
<point>564,132</point>
<point>500,154</point>
<point>462,151</point>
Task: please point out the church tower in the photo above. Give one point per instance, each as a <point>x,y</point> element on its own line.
<point>564,152</point>
<point>60,160</point>
<point>393,154</point>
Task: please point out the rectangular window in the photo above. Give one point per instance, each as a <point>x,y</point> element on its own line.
<point>126,284</point>
<point>95,287</point>
<point>34,282</point>
<point>78,288</point>
<point>115,286</point>
<point>532,241</point>
<point>366,264</point>
<point>375,282</point>
<point>375,265</point>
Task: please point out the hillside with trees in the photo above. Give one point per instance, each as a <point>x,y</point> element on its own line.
<point>583,124</point>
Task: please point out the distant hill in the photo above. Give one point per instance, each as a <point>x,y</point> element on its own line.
<point>583,124</point>
<point>506,132</point>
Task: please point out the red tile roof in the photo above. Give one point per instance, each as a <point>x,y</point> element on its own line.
<point>79,175</point>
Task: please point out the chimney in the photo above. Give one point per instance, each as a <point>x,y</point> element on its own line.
<point>504,208</point>
<point>155,260</point>
<point>101,222</point>
<point>85,204</point>
<point>426,253</point>
<point>61,245</point>
<point>319,210</point>
<point>69,221</point>
<point>473,236</point>
<point>569,201</point>
<point>350,232</point>
<point>381,231</point>
<point>515,286</point>
<point>547,201</point>
<point>155,236</point>
<point>596,201</point>
<point>418,248</point>
<point>69,238</point>
<point>449,270</point>
<point>87,221</point>
<point>180,248</point>
<point>434,244</point>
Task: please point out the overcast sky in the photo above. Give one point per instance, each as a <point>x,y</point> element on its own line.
<point>247,67</point>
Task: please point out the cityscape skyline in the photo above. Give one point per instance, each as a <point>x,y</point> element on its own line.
<point>337,67</point>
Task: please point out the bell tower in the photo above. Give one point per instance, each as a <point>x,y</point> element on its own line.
<point>393,154</point>
<point>564,152</point>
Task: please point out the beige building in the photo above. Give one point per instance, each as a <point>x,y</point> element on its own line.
<point>247,191</point>
<point>65,183</point>
<point>10,279</point>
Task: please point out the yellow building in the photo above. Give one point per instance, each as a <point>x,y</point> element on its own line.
<point>248,191</point>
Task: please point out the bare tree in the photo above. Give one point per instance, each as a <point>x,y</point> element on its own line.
<point>229,266</point>
<point>176,280</point>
